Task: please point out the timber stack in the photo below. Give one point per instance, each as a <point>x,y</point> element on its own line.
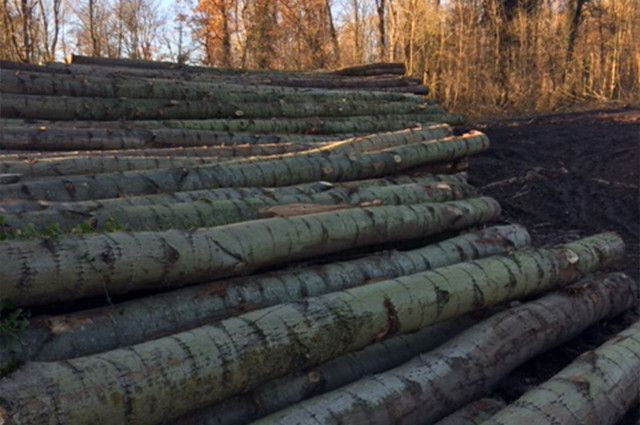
<point>215,246</point>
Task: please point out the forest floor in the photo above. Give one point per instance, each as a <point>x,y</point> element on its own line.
<point>565,176</point>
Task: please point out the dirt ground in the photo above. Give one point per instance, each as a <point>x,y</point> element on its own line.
<point>566,176</point>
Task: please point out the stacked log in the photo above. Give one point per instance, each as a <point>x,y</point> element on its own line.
<point>200,246</point>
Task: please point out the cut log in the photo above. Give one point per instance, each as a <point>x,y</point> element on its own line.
<point>164,379</point>
<point>52,136</point>
<point>380,68</point>
<point>107,328</point>
<point>313,125</point>
<point>45,83</point>
<point>194,151</point>
<point>76,266</point>
<point>111,109</point>
<point>282,392</point>
<point>280,171</point>
<point>204,212</point>
<point>432,385</point>
<point>17,206</point>
<point>474,413</point>
<point>92,164</point>
<point>596,389</point>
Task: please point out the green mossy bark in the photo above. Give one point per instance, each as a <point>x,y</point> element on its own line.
<point>279,171</point>
<point>76,266</point>
<point>169,377</point>
<point>88,332</point>
<point>596,389</point>
<point>204,212</point>
<point>110,109</point>
<point>432,385</point>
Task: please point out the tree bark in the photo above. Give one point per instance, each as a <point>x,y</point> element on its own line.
<point>111,109</point>
<point>42,82</point>
<point>76,266</point>
<point>208,213</point>
<point>474,413</point>
<point>287,390</point>
<point>470,365</point>
<point>92,331</point>
<point>596,389</point>
<point>15,206</point>
<point>169,377</point>
<point>281,171</point>
<point>381,68</point>
<point>52,136</point>
<point>234,151</point>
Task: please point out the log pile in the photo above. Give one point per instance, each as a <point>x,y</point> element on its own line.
<point>199,246</point>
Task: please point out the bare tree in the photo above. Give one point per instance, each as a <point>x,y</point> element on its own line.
<point>381,8</point>
<point>30,29</point>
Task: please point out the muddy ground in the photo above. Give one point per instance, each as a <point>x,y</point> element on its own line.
<point>566,176</point>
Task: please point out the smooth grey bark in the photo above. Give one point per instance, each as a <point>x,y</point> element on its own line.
<point>101,329</point>
<point>432,385</point>
<point>596,389</point>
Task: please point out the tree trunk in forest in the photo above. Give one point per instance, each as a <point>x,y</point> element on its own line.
<point>381,8</point>
<point>278,171</point>
<point>77,266</point>
<point>470,365</point>
<point>92,331</point>
<point>596,389</point>
<point>164,379</point>
<point>474,413</point>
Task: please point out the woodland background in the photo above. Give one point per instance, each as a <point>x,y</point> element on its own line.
<point>481,57</point>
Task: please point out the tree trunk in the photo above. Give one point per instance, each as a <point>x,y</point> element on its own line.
<point>289,389</point>
<point>372,69</point>
<point>43,82</point>
<point>474,413</point>
<point>280,171</point>
<point>470,365</point>
<point>208,213</point>
<point>235,151</point>
<point>596,389</point>
<point>108,109</point>
<point>51,136</point>
<point>38,272</point>
<point>92,331</point>
<point>169,377</point>
<point>14,206</point>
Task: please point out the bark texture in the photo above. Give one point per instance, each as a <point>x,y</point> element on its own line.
<point>102,329</point>
<point>169,377</point>
<point>596,389</point>
<point>434,384</point>
<point>281,171</point>
<point>17,206</point>
<point>287,390</point>
<point>203,212</point>
<point>110,109</point>
<point>474,413</point>
<point>76,266</point>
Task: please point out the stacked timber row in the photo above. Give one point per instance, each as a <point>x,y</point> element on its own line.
<point>200,246</point>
